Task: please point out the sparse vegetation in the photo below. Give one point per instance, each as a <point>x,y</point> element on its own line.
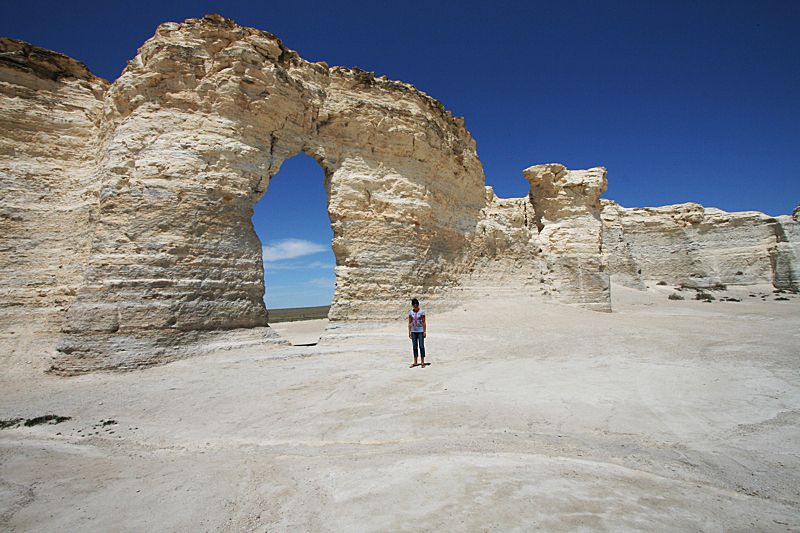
<point>298,313</point>
<point>39,420</point>
<point>13,422</point>
<point>45,419</point>
<point>704,296</point>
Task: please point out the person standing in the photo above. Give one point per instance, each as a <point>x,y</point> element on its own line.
<point>417,329</point>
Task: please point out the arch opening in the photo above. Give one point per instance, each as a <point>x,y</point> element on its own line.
<point>291,221</point>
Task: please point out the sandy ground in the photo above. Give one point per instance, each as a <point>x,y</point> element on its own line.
<point>662,416</point>
<point>301,332</point>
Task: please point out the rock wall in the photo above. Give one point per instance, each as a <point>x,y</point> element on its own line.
<point>125,223</point>
<point>50,114</point>
<point>784,253</point>
<point>695,246</point>
<point>566,204</point>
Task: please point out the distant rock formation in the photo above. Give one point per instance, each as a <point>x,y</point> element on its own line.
<point>125,221</point>
<point>699,247</point>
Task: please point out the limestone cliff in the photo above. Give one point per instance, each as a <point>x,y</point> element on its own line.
<point>567,213</point>
<point>51,108</point>
<point>191,134</point>
<point>700,247</point>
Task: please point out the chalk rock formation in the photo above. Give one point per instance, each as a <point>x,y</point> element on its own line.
<point>191,134</point>
<point>502,258</point>
<point>566,204</point>
<point>126,208</point>
<point>695,246</point>
<point>785,253</point>
<point>51,107</point>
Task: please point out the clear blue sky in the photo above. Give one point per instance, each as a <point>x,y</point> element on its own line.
<point>680,100</point>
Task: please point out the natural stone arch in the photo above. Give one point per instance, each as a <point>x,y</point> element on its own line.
<point>194,129</point>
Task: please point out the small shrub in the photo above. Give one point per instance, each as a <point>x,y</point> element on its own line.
<point>5,424</point>
<point>55,419</point>
<point>675,296</point>
<point>661,283</point>
<point>704,296</point>
<point>16,422</point>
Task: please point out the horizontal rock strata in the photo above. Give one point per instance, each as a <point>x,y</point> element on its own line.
<point>51,108</point>
<point>567,214</point>
<point>700,247</point>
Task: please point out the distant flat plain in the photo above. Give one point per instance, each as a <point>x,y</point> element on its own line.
<point>293,314</point>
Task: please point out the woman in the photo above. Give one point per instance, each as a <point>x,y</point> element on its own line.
<point>417,331</point>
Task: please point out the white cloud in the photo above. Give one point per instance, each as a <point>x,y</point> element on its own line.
<point>320,264</point>
<point>291,248</point>
<point>323,283</point>
<point>297,265</point>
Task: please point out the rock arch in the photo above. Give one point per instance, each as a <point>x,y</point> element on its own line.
<point>193,131</point>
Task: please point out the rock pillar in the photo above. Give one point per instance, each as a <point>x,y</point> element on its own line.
<point>567,208</point>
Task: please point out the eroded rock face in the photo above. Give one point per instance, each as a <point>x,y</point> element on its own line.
<point>566,204</point>
<point>691,245</point>
<point>126,214</point>
<point>784,254</point>
<point>193,131</point>
<point>51,108</point>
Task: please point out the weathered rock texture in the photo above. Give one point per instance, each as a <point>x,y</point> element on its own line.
<point>567,214</point>
<point>50,114</point>
<point>695,246</point>
<point>185,143</point>
<point>126,207</point>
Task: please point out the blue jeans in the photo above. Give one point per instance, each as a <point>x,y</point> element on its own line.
<point>418,339</point>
